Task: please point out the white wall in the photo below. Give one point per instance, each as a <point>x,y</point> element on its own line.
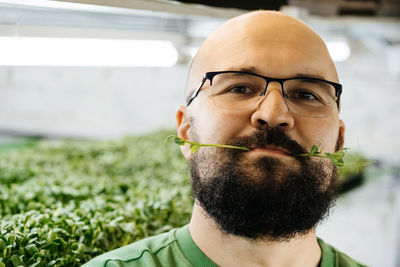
<point>89,101</point>
<point>371,103</point>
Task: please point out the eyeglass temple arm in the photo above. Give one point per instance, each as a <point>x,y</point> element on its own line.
<point>338,94</point>
<point>196,92</point>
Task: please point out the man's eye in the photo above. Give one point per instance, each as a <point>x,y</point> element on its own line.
<point>240,90</point>
<point>305,95</point>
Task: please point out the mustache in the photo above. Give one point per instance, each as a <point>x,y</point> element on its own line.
<point>268,136</point>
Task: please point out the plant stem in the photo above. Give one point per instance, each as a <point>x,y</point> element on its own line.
<point>315,155</point>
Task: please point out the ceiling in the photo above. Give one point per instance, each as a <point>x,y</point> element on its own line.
<point>180,21</point>
<point>317,7</point>
<point>227,8</point>
<point>248,5</point>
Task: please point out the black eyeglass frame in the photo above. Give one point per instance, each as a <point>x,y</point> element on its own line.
<point>210,76</point>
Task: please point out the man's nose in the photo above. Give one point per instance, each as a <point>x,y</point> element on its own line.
<point>272,110</point>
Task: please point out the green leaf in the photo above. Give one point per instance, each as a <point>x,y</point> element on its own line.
<point>35,264</point>
<point>313,150</point>
<point>176,139</point>
<point>339,154</point>
<point>179,141</point>
<point>2,245</point>
<point>335,160</point>
<point>16,261</point>
<point>194,147</point>
<point>340,163</point>
<point>330,156</point>
<point>11,239</point>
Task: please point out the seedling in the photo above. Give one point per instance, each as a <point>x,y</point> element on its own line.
<point>336,158</point>
<point>194,146</point>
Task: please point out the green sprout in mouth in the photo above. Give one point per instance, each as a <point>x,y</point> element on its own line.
<point>336,158</point>
<point>194,146</point>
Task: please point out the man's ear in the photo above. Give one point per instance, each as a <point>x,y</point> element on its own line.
<point>183,128</point>
<point>342,129</point>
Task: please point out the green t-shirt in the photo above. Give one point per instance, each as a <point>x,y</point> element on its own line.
<point>176,248</point>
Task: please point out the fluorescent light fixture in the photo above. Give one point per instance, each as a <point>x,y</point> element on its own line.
<point>38,51</point>
<point>338,49</point>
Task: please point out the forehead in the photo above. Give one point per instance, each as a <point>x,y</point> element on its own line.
<point>274,44</point>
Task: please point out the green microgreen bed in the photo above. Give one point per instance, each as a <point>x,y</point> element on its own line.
<point>63,202</point>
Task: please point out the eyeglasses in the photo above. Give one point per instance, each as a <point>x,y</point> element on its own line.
<point>240,90</point>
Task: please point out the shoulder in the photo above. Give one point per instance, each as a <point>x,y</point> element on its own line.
<point>332,257</point>
<point>150,251</point>
<point>345,261</point>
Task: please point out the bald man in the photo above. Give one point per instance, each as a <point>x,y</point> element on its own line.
<point>264,81</point>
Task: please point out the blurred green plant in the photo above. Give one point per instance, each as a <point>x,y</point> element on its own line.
<point>354,164</point>
<point>64,202</point>
<point>19,143</point>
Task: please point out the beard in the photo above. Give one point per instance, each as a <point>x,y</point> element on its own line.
<point>264,197</point>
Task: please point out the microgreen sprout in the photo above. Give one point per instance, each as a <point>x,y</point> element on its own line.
<point>194,146</point>
<point>336,158</point>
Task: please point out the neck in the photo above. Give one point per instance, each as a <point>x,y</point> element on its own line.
<point>229,250</point>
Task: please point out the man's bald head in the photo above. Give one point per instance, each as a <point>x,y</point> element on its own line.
<point>266,40</point>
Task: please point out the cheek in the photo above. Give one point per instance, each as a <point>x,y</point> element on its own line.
<point>319,131</point>
<point>215,125</point>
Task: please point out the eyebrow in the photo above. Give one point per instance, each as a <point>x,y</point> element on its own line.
<point>255,70</point>
<point>303,75</point>
<point>251,69</point>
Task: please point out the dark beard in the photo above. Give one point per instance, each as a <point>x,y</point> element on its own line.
<point>266,198</point>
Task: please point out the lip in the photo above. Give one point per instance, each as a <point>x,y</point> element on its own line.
<point>271,149</point>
